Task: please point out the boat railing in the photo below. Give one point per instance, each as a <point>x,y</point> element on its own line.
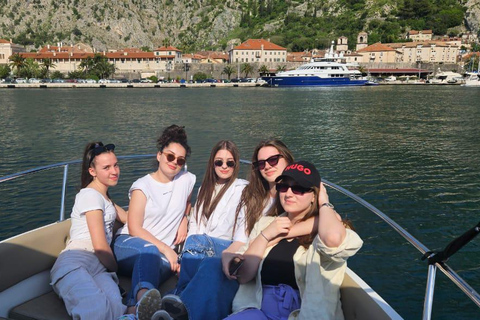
<point>441,265</point>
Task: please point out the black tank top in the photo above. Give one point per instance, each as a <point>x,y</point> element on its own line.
<point>278,266</point>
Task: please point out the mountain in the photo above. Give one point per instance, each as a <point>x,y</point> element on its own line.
<point>210,24</point>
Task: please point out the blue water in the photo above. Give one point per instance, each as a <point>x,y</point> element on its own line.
<point>410,151</point>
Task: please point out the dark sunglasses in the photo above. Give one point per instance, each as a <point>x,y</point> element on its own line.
<point>272,161</point>
<point>219,163</point>
<point>171,157</point>
<point>101,149</point>
<point>296,189</point>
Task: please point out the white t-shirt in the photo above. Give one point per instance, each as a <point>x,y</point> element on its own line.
<point>89,199</point>
<point>221,222</point>
<point>166,204</point>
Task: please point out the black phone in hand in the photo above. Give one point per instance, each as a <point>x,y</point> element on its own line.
<point>235,264</point>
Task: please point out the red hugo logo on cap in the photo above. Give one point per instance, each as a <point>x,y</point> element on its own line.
<point>299,167</point>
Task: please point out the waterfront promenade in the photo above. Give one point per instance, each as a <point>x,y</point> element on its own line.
<point>127,85</point>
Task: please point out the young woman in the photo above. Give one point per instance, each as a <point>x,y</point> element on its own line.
<point>84,273</point>
<point>299,277</point>
<point>212,222</point>
<point>157,221</point>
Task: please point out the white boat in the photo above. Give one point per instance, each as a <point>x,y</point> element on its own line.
<point>25,292</point>
<point>446,77</point>
<point>472,80</point>
<point>329,71</point>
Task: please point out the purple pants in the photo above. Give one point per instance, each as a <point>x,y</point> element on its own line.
<point>277,304</point>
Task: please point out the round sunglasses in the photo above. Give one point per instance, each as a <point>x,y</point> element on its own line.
<point>296,189</point>
<point>219,163</point>
<point>171,157</point>
<point>272,161</point>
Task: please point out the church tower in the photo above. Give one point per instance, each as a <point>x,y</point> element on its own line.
<point>362,40</point>
<point>342,45</point>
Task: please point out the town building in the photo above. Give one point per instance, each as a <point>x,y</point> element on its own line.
<point>342,45</point>
<point>7,49</point>
<point>427,51</point>
<point>258,50</point>
<point>379,53</point>
<point>422,35</point>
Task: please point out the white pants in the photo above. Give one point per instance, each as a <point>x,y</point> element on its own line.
<point>87,289</point>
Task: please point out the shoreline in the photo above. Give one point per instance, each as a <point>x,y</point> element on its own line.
<point>176,85</point>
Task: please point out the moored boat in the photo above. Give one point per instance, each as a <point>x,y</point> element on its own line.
<point>473,79</point>
<point>329,71</point>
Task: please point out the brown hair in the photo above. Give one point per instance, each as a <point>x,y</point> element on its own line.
<point>256,193</point>
<point>88,161</point>
<point>205,203</point>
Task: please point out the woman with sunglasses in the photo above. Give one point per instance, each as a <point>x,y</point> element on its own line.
<point>157,219</point>
<point>298,277</point>
<point>84,273</point>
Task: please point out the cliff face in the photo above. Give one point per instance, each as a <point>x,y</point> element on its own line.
<point>472,16</point>
<point>189,25</point>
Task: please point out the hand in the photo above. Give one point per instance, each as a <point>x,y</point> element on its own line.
<point>181,232</point>
<point>172,257</point>
<point>227,257</point>
<point>279,226</point>
<point>322,195</point>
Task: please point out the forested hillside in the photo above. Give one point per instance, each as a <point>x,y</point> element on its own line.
<point>210,24</point>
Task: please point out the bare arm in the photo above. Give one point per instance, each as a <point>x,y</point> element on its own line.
<point>96,227</point>
<point>330,227</point>
<point>228,255</point>
<point>136,215</point>
<point>254,254</point>
<point>121,214</point>
<point>299,229</point>
<point>183,228</point>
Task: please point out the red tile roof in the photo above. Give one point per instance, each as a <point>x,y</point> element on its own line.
<point>376,47</point>
<point>412,32</point>
<point>169,48</point>
<point>256,44</point>
<point>4,41</point>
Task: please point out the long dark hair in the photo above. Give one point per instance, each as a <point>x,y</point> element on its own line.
<point>88,162</point>
<point>173,134</point>
<point>205,203</point>
<point>256,193</point>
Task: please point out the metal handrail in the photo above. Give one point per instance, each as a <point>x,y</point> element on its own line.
<point>452,275</point>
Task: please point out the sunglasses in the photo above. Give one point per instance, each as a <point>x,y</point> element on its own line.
<point>219,163</point>
<point>296,189</point>
<point>171,157</point>
<point>101,149</point>
<point>272,161</point>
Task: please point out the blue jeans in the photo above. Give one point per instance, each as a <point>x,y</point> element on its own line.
<point>142,261</point>
<point>204,289</point>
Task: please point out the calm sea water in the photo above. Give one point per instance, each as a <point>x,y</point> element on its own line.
<point>410,151</point>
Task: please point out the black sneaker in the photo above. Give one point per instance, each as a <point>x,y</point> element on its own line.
<point>161,315</point>
<point>175,307</point>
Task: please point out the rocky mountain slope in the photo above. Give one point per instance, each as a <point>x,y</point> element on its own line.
<point>200,24</point>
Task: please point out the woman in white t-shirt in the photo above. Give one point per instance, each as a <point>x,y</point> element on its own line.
<point>157,218</point>
<point>84,273</point>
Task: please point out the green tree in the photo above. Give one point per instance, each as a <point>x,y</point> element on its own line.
<point>30,69</point>
<point>57,75</point>
<point>281,68</point>
<point>104,69</point>
<point>4,71</point>
<point>263,69</point>
<point>48,64</point>
<point>87,65</point>
<point>228,70</point>
<point>199,76</point>
<point>247,69</point>
<point>77,74</point>
<point>17,62</point>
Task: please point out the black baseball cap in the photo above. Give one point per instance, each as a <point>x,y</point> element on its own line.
<point>303,172</point>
